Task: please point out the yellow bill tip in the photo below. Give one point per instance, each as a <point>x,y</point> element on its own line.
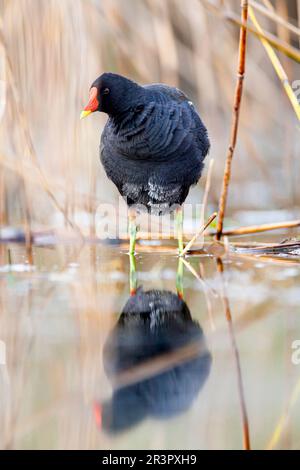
<point>84,114</point>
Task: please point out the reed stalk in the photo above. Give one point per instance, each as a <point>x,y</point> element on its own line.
<point>269,12</point>
<point>235,117</point>
<point>259,228</point>
<point>200,232</point>
<point>277,67</point>
<point>282,46</point>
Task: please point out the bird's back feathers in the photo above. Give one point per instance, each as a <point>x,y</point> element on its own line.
<point>155,151</point>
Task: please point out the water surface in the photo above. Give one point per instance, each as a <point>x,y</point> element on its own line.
<point>90,367</point>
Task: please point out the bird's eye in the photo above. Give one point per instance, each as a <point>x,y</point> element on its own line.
<point>106,91</point>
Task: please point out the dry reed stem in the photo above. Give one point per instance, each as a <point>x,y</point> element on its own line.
<point>280,45</point>
<point>270,13</point>
<point>259,228</point>
<point>235,118</point>
<point>226,305</point>
<point>278,67</point>
<point>200,231</point>
<point>277,43</point>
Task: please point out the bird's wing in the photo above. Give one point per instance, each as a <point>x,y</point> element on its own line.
<point>187,121</point>
<point>169,132</point>
<point>174,129</point>
<point>171,92</point>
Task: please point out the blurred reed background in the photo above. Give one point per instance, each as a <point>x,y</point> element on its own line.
<point>51,51</point>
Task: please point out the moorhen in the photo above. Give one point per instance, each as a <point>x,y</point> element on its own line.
<point>152,146</point>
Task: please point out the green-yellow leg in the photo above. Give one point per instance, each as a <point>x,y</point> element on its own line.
<point>179,226</point>
<point>179,278</point>
<point>132,275</point>
<point>132,231</point>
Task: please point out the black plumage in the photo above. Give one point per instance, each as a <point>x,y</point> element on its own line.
<point>153,144</point>
<point>153,323</point>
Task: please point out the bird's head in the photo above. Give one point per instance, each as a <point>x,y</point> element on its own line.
<point>112,94</point>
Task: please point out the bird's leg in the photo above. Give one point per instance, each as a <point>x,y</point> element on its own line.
<point>179,278</point>
<point>179,226</point>
<point>132,230</point>
<point>132,276</point>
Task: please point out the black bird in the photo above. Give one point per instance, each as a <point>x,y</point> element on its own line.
<point>152,324</point>
<point>152,146</point>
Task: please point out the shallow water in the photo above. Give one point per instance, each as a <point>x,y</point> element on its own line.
<point>78,375</point>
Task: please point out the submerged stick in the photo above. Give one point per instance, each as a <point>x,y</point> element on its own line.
<point>235,117</point>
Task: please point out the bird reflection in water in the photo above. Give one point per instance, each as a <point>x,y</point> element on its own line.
<point>156,358</point>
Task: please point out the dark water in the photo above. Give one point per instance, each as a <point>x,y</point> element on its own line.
<point>90,366</point>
